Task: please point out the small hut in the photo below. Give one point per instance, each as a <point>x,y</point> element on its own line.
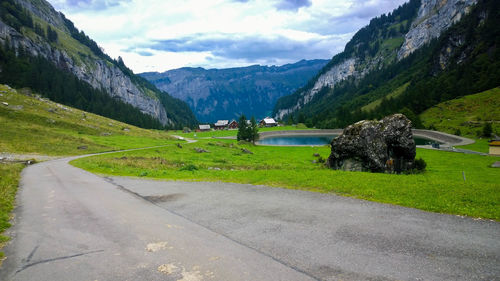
<point>495,147</point>
<point>204,128</point>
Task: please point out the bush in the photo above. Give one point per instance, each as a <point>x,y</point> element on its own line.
<point>189,167</point>
<point>301,126</point>
<point>419,165</point>
<point>487,130</point>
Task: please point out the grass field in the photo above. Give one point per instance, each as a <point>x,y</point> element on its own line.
<point>9,179</point>
<point>468,114</point>
<point>34,125</point>
<point>440,189</point>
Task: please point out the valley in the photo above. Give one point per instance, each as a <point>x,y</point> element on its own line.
<point>98,163</point>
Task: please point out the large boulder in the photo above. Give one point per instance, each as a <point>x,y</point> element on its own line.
<point>376,146</point>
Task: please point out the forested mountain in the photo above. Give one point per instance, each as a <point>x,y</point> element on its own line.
<point>226,93</point>
<point>422,53</point>
<point>42,49</point>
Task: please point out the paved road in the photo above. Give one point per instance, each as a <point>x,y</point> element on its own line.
<point>73,225</point>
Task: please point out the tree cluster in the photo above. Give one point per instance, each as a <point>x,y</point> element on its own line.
<point>63,87</point>
<point>421,77</point>
<point>248,132</point>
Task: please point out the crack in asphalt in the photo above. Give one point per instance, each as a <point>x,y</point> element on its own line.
<point>28,259</point>
<point>150,200</point>
<point>54,259</point>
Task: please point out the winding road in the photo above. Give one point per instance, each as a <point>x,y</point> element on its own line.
<point>73,225</point>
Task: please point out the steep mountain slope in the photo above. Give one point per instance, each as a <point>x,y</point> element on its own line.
<point>445,42</point>
<point>226,93</point>
<point>33,29</point>
<point>466,115</point>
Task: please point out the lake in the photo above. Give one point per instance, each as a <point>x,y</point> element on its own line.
<point>318,140</point>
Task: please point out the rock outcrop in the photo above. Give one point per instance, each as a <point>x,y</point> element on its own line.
<point>434,16</point>
<point>97,72</point>
<point>376,146</point>
<point>432,19</point>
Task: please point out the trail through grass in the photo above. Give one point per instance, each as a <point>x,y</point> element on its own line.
<point>440,189</point>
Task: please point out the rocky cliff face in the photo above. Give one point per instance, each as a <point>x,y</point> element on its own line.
<point>97,72</point>
<point>433,17</point>
<point>226,93</point>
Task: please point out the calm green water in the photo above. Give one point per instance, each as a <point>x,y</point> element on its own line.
<point>317,140</point>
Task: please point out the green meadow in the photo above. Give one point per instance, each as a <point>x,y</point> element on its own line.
<point>33,125</point>
<point>466,115</point>
<point>441,188</point>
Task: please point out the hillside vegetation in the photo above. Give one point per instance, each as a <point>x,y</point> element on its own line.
<point>464,60</point>
<point>40,48</point>
<point>31,124</point>
<point>466,115</point>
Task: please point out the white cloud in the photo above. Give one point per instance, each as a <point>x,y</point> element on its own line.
<point>241,32</point>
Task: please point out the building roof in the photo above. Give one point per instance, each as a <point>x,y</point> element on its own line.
<point>204,127</point>
<point>268,120</point>
<point>222,122</point>
<point>495,143</point>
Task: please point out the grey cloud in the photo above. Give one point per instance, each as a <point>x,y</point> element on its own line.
<point>249,48</point>
<point>145,53</point>
<point>292,5</point>
<point>95,5</point>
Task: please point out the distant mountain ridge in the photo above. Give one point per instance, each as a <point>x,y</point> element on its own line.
<point>215,94</point>
<point>33,29</point>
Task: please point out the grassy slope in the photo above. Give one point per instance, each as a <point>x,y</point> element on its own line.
<point>392,94</point>
<point>440,189</point>
<point>60,130</point>
<point>9,178</point>
<point>468,114</point>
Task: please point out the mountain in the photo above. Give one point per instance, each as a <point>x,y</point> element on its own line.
<point>422,53</point>
<point>226,93</point>
<point>42,49</point>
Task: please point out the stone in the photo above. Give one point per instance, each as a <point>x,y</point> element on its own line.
<point>200,150</point>
<point>244,150</point>
<point>376,146</point>
<point>179,145</point>
<point>83,147</point>
<point>496,164</point>
<point>5,103</point>
<point>316,154</point>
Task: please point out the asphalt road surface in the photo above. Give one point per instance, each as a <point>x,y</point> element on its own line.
<point>74,225</point>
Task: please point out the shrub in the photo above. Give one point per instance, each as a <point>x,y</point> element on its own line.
<point>189,167</point>
<point>487,130</point>
<point>419,165</point>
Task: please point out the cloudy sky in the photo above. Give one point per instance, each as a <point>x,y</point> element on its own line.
<point>157,35</point>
